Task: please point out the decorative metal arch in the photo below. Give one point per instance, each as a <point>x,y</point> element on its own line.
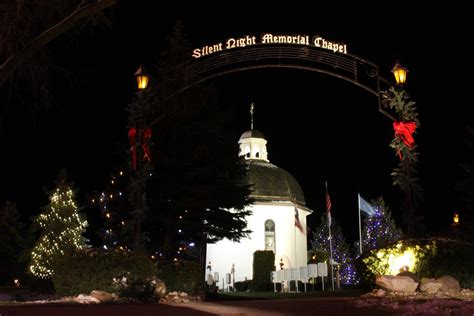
<point>354,69</point>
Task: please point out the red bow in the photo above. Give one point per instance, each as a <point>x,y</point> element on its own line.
<point>146,136</point>
<point>404,131</point>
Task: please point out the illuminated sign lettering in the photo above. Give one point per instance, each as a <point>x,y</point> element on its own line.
<point>267,39</point>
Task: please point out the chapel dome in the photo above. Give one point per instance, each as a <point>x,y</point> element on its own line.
<point>271,183</point>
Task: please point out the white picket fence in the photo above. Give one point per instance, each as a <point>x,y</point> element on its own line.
<point>300,274</point>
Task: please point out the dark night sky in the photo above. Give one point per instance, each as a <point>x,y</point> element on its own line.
<point>318,127</point>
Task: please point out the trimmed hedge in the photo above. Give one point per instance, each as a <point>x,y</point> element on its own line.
<point>243,286</point>
<point>90,269</point>
<point>263,265</point>
<point>181,275</point>
<point>441,257</point>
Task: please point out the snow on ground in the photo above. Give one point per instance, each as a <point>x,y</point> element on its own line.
<point>80,299</point>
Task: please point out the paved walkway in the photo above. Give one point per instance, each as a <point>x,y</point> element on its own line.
<point>309,306</point>
<point>304,306</point>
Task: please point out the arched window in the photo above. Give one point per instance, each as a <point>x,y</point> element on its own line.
<point>256,151</point>
<point>247,151</point>
<point>270,235</point>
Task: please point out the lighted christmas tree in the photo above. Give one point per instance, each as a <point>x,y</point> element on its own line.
<point>112,205</point>
<point>340,249</point>
<point>62,228</point>
<point>379,229</point>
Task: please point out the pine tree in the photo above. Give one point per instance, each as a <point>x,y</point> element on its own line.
<point>198,176</point>
<point>112,205</point>
<point>379,229</point>
<point>62,228</point>
<point>465,190</point>
<point>13,241</point>
<point>340,249</point>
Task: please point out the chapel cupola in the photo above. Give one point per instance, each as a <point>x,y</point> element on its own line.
<point>253,145</point>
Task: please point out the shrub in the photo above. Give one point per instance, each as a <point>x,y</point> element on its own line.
<point>263,265</point>
<point>87,270</point>
<point>450,257</point>
<point>435,257</point>
<point>242,286</point>
<point>181,275</point>
<point>139,288</point>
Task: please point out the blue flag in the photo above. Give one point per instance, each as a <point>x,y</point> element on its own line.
<point>366,207</point>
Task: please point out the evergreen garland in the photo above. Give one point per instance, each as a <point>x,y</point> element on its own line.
<point>405,174</point>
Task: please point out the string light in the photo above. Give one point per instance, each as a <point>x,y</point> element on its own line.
<point>340,251</point>
<point>379,230</point>
<point>111,198</point>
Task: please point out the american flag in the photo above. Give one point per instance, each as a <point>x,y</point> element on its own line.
<point>297,221</point>
<point>328,205</point>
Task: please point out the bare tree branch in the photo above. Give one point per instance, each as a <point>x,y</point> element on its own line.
<point>12,63</point>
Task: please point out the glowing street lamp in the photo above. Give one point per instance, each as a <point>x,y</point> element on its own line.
<point>400,73</point>
<point>456,219</point>
<point>142,78</point>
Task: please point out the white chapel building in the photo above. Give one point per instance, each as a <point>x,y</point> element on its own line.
<point>278,220</point>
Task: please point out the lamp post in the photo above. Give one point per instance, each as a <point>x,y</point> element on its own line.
<point>404,124</point>
<point>139,136</point>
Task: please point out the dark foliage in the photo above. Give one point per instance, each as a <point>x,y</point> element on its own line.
<point>87,270</point>
<point>263,265</point>
<point>243,286</point>
<point>14,243</point>
<point>181,275</point>
<point>450,257</point>
<point>465,189</point>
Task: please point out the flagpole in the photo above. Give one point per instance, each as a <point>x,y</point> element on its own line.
<point>360,226</point>
<point>330,254</point>
<point>330,237</point>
